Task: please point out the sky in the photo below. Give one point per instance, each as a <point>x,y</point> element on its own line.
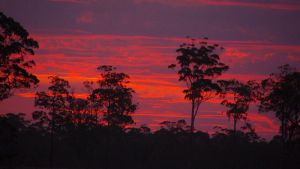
<point>140,38</point>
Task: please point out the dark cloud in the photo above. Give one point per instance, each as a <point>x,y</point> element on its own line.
<point>132,17</point>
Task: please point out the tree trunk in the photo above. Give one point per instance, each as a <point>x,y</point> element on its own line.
<point>192,124</point>
<point>191,147</point>
<point>283,129</point>
<point>193,117</point>
<point>51,144</point>
<point>234,126</point>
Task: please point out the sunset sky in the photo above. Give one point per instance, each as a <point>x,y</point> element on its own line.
<point>140,37</point>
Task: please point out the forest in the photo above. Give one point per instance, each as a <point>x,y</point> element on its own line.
<point>67,131</point>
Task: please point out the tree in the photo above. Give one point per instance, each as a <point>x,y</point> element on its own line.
<point>55,102</point>
<point>174,127</point>
<point>113,97</point>
<point>281,94</point>
<point>239,96</point>
<point>15,44</point>
<point>93,106</point>
<point>80,112</point>
<point>199,65</point>
<point>114,100</point>
<point>142,130</point>
<point>247,134</point>
<point>11,125</point>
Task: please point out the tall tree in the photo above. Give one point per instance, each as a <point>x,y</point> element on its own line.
<point>238,96</point>
<point>114,97</point>
<point>56,103</point>
<point>281,94</point>
<point>15,44</point>
<point>199,65</point>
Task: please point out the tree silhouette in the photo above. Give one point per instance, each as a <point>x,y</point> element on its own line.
<point>15,44</point>
<point>10,127</point>
<point>174,127</point>
<point>247,134</point>
<point>239,97</point>
<point>113,97</point>
<point>56,102</point>
<point>281,94</point>
<point>199,65</point>
<point>81,113</point>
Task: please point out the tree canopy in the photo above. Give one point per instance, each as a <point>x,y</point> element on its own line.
<point>238,96</point>
<point>199,65</point>
<point>15,45</point>
<point>113,97</point>
<point>281,94</point>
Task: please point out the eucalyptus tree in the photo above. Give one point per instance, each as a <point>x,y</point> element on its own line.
<point>81,115</point>
<point>199,66</point>
<point>113,97</point>
<point>55,113</point>
<point>15,45</point>
<point>281,94</point>
<point>237,98</point>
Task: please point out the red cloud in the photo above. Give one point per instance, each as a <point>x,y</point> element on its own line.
<point>66,1</point>
<point>145,59</point>
<point>231,52</point>
<point>294,58</point>
<point>86,17</point>
<point>237,3</point>
<point>73,1</point>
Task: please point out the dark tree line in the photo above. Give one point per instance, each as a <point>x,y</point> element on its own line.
<point>98,131</point>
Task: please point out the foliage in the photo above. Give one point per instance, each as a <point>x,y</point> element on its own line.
<point>15,44</point>
<point>246,134</point>
<point>281,94</point>
<point>136,148</point>
<point>82,141</point>
<point>55,102</point>
<point>81,113</point>
<point>238,96</point>
<point>199,65</point>
<point>113,98</point>
<point>57,117</point>
<point>174,127</point>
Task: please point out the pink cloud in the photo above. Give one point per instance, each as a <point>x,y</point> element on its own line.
<point>86,17</point>
<point>72,1</point>
<point>231,52</point>
<point>145,59</point>
<point>237,3</point>
<point>66,1</point>
<point>294,58</point>
<point>289,6</point>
